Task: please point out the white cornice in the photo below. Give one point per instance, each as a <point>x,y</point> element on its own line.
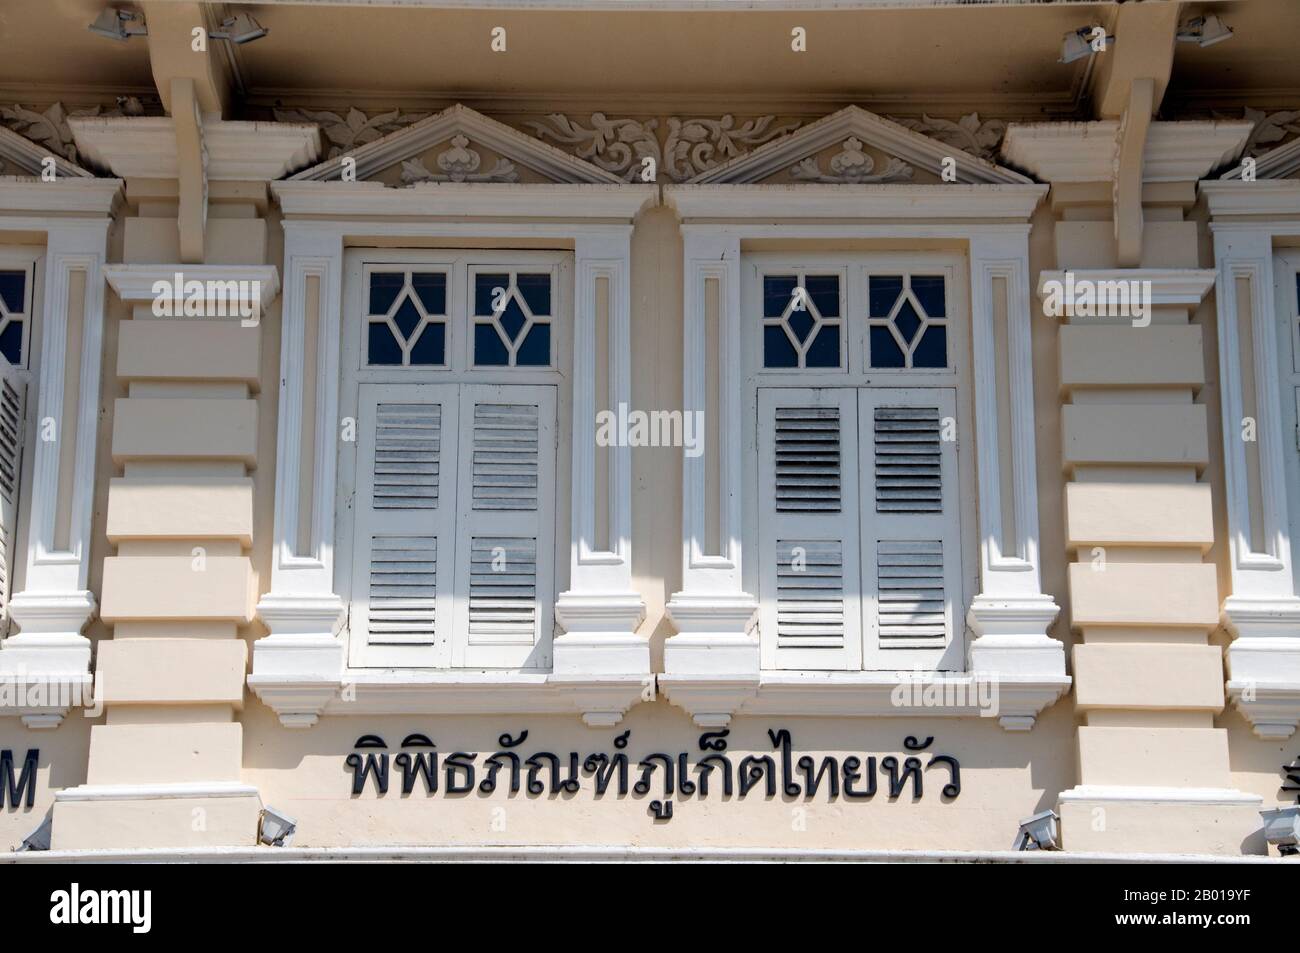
<point>135,283</point>
<point>1085,151</point>
<point>935,202</point>
<point>88,196</point>
<point>31,157</point>
<point>1272,198</point>
<point>889,137</point>
<point>145,147</point>
<point>511,201</point>
<point>1277,164</point>
<point>1169,286</point>
<point>421,136</point>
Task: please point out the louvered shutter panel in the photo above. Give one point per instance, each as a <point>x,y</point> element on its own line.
<point>809,562</point>
<point>505,533</point>
<point>405,538</point>
<point>910,527</point>
<point>13,390</point>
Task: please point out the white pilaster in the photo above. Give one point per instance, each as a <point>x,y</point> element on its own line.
<point>298,667</point>
<point>55,604</point>
<point>711,666</point>
<point>1263,611</point>
<point>1011,614</point>
<point>600,658</point>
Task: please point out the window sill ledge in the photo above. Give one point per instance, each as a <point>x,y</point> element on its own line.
<point>1015,700</point>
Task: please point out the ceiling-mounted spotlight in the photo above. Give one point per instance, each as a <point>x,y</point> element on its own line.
<point>1206,30</point>
<point>1082,42</point>
<point>118,24</point>
<point>239,29</point>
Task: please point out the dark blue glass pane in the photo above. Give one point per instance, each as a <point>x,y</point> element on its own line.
<point>407,318</point>
<point>801,322</point>
<point>825,349</point>
<point>777,349</point>
<point>485,291</point>
<point>13,290</point>
<point>885,351</point>
<point>513,320</point>
<point>488,349</point>
<point>382,347</point>
<point>536,349</point>
<point>431,287</point>
<point>430,347</point>
<point>929,291</point>
<point>11,342</point>
<point>777,290</point>
<point>824,290</point>
<point>884,291</point>
<point>384,288</point>
<point>933,349</point>
<point>907,321</point>
<point>536,292</point>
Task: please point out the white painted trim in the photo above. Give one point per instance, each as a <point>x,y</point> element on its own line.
<point>151,792</point>
<point>943,203</point>
<point>1185,287</point>
<point>1155,795</point>
<point>94,198</point>
<point>134,283</point>
<point>1267,201</point>
<point>507,201</point>
<point>582,854</point>
<point>145,147</point>
<point>421,136</point>
<point>876,131</point>
<point>1275,164</point>
<point>32,157</point>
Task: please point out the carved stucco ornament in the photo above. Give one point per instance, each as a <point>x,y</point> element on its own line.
<point>345,132</point>
<point>970,134</point>
<point>692,146</point>
<point>50,128</point>
<point>459,163</point>
<point>851,166</point>
<point>1271,129</point>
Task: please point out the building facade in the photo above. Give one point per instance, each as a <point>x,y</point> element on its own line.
<point>811,427</point>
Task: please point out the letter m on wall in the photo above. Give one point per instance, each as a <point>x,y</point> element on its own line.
<point>12,789</point>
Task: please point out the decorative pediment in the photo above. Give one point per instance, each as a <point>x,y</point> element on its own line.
<point>458,145</point>
<point>1280,163</point>
<point>854,146</point>
<point>21,156</point>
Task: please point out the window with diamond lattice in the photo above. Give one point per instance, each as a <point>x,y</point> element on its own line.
<point>802,320</point>
<point>512,319</point>
<point>15,310</point>
<point>907,321</point>
<point>406,324</point>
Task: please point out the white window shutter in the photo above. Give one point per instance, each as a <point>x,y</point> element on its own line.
<point>910,527</point>
<point>404,551</point>
<point>811,607</point>
<point>13,392</point>
<point>505,528</point>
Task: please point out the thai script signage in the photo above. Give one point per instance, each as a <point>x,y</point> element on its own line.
<point>685,773</point>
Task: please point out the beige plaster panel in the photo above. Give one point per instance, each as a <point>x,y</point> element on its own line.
<point>154,754</point>
<point>172,671</point>
<point>184,428</point>
<point>1155,594</point>
<point>180,508</point>
<point>1160,827</point>
<point>1161,757</point>
<point>156,822</point>
<point>230,241</point>
<point>1128,514</point>
<point>188,350</point>
<point>60,763</point>
<point>1134,434</point>
<point>1148,675</point>
<point>1082,245</point>
<point>1109,356</point>
<point>169,587</point>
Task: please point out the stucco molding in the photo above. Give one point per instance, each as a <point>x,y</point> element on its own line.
<point>1181,287</point>
<point>500,200</point>
<point>30,158</point>
<point>1085,151</point>
<point>134,284</point>
<point>1267,203</point>
<point>93,198</point>
<point>146,147</point>
<point>875,131</point>
<point>942,203</point>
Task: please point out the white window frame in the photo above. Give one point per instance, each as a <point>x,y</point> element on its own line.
<point>460,372</point>
<point>856,373</point>
<point>712,667</point>
<point>601,664</point>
